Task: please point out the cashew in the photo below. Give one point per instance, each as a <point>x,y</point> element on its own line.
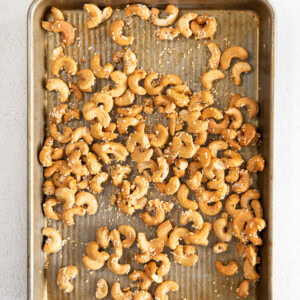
<point>251,254</point>
<point>131,111</point>
<point>165,265</point>
<point>81,146</point>
<point>162,136</point>
<point>53,242</point>
<point>97,180</point>
<point>62,138</point>
<point>92,251</point>
<point>217,128</point>
<point>120,80</point>
<point>105,99</point>
<point>167,33</point>
<point>102,289</point>
<point>248,196</point>
<point>164,288</point>
<point>220,231</point>
<point>68,215</point>
<point>59,86</point>
<point>199,236</point>
<point>88,200</point>
<point>84,133</point>
<point>171,79</point>
<point>239,221</point>
<point>96,16</point>
<point>183,24</point>
<point>172,12</point>
<point>169,188</point>
<point>220,247</point>
<point>98,133</point>
<point>231,203</point>
<point>139,10</point>
<point>180,167</point>
<point>200,100</point>
<point>180,99</point>
<point>204,27</point>
<point>114,265</point>
<point>183,144</point>
<point>164,103</point>
<point>209,77</point>
<point>191,216</point>
<point>182,195</point>
<point>251,105</point>
<point>211,112</point>
<point>71,115</point>
<point>237,70</point>
<point>163,231</point>
<point>116,149</point>
<point>86,80</point>
<point>237,118</point>
<point>60,166</point>
<point>126,99</point>
<point>235,159</point>
<point>119,173</point>
<point>249,271</point>
<point>252,227</point>
<point>115,32</point>
<point>230,53</point>
<point>74,162</point>
<point>76,91</point>
<point>162,172</point>
<point>185,255</point>
<point>66,62</point>
<point>103,237</point>
<point>150,270</point>
<point>92,264</point>
<point>129,233</point>
<point>57,113</point>
<point>151,90</point>
<point>243,289</point>
<point>153,247</point>
<point>63,277</point>
<point>210,209</point>
<point>215,55</point>
<point>118,294</point>
<point>145,280</point>
<point>220,190</point>
<point>257,208</point>
<point>256,163</point>
<point>93,113</point>
<point>228,270</point>
<point>66,195</point>
<point>49,211</point>
<point>133,82</point>
<point>243,184</point>
<point>92,163</point>
<point>98,70</point>
<point>142,295</point>
<point>142,258</point>
<point>176,235</point>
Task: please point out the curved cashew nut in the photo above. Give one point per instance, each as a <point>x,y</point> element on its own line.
<point>98,70</point>
<point>231,203</point>
<point>150,270</point>
<point>131,111</point>
<point>228,270</point>
<point>59,86</point>
<point>251,194</point>
<point>243,184</point>
<point>220,190</point>
<point>182,195</point>
<point>164,288</point>
<point>165,265</point>
<point>49,211</point>
<point>183,144</point>
<point>172,12</point>
<point>220,247</point>
<point>142,295</point>
<point>119,173</point>
<point>210,209</point>
<point>145,280</point>
<point>129,233</point>
<point>67,196</point>
<point>235,160</point>
<point>176,235</point>
<point>207,29</point>
<point>66,62</point>
<point>249,271</point>
<point>200,100</point>
<point>126,99</point>
<point>183,24</point>
<point>88,200</point>
<point>74,162</point>
<point>246,135</point>
<point>161,137</point>
<point>191,216</point>
<point>251,105</point>
<point>118,294</point>
<point>68,215</point>
<point>163,230</point>
<point>84,133</point>
<point>81,146</point>
<point>92,251</point>
<point>237,70</point>
<point>76,91</point>
<point>92,163</point>
<point>92,264</point>
<point>120,80</point>
<point>185,255</point>
<point>60,166</point>
<point>151,90</point>
<point>251,254</point>
<point>98,179</point>
<point>163,170</point>
<point>114,265</point>
<point>180,99</point>
<point>153,247</point>
<point>167,33</point>
<point>63,277</point>
<point>103,237</point>
<point>96,16</point>
<point>237,117</point>
<point>58,112</point>
<point>209,77</point>
<point>243,289</point>
<point>99,134</point>
<point>230,53</point>
<point>215,55</point>
<point>116,149</point>
<point>71,115</point>
<point>115,32</point>
<point>220,231</point>
<point>102,289</point>
<point>169,188</point>
<point>211,112</point>
<point>200,236</point>
<point>256,163</point>
<point>139,10</point>
<point>86,80</point>
<point>53,242</point>
<point>171,79</point>
<point>164,103</point>
<point>105,99</point>
<point>66,29</point>
<point>256,206</point>
<point>180,166</point>
<point>239,222</point>
<point>62,138</point>
<point>252,227</point>
<point>133,82</point>
<point>217,128</point>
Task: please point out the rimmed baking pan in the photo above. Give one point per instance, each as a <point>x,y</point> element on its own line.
<point>248,23</point>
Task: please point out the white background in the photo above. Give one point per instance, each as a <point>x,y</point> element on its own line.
<point>13,110</point>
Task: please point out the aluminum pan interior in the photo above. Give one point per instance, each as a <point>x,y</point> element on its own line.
<point>245,23</point>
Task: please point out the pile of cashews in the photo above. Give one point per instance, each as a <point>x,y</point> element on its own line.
<point>198,152</point>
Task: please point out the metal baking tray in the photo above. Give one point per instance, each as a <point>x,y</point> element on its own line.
<point>249,23</point>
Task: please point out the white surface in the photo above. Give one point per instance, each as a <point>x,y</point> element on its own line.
<point>13,16</point>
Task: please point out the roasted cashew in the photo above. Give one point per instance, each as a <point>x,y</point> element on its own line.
<point>169,188</point>
<point>68,215</point>
<point>151,90</point>
<point>142,295</point>
<point>103,237</point>
<point>150,270</point>
<point>142,258</point>
<point>237,70</point>
<point>251,105</point>
<point>210,209</point>
<point>98,133</point>
<point>249,195</point>
<point>153,247</point>
<point>238,223</point>
<point>53,242</point>
<point>74,162</point>
<point>230,53</point>
<point>92,163</point>
<point>220,247</point>
<point>167,33</point>
<point>172,12</point>
<point>102,289</point>
<point>228,270</point>
<point>133,82</point>
<point>96,16</point>
<point>243,184</point>
<point>97,180</point>
<point>191,216</point>
<point>57,113</point>
<point>116,149</point>
<point>217,128</point>
<point>60,87</point>
<point>115,32</point>
<point>163,230</point>
<point>237,118</point>
<point>165,265</point>
<point>182,195</point>
<point>220,190</point>
<point>183,24</point>
<point>163,170</point>
<point>249,271</point>
<point>161,137</point>
<point>92,251</point>
<point>114,265</point>
<point>87,200</point>
<point>129,233</point>
<point>120,80</point>
<point>139,10</point>
<point>243,289</point>
<point>86,80</point>
<point>63,62</point>
<point>142,169</point>
<point>257,208</point>
<point>98,70</point>
<point>60,166</point>
<point>220,231</point>
<point>80,145</point>
<point>211,112</point>
<point>200,100</point>
<point>131,111</point>
<point>231,203</point>
<point>235,159</point>
<point>204,27</point>
<point>105,99</point>
<point>146,281</point>
<point>71,115</point>
<point>185,255</point>
<point>180,166</point>
<point>183,144</point>
<point>76,91</point>
<point>62,138</point>
<point>126,99</point>
<point>93,113</point>
<point>199,236</point>
<point>63,277</point>
<point>165,104</point>
<point>233,175</point>
<point>118,294</point>
<point>84,133</point>
<point>215,55</point>
<point>171,79</point>
<point>256,163</point>
<point>66,29</point>
<point>92,264</point>
<point>179,98</point>
<point>164,288</point>
<point>119,173</point>
<point>251,254</point>
<point>252,227</point>
<point>49,211</point>
<point>67,196</point>
<point>176,235</point>
<point>209,77</point>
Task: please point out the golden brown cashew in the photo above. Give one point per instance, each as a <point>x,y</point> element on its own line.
<point>163,170</point>
<point>185,255</point>
<point>115,32</point>
<point>215,55</point>
<point>92,163</point>
<point>235,159</point>
<point>66,195</point>
<point>105,99</point>
<point>172,12</point>
<point>180,166</point>
<point>131,111</point>
<point>182,195</point>
<point>239,222</point>
<point>249,271</point>
<point>96,181</point>
<point>161,137</point>
<point>248,196</point>
<point>94,114</point>
<point>152,90</point>
<point>169,188</point>
<point>228,270</point>
<point>126,99</point>
<point>256,163</point>
<point>220,247</point>
<point>204,27</point>
<point>200,100</point>
<point>191,216</point>
<point>171,79</point>
<point>199,236</point>
<point>237,117</point>
<point>133,82</point>
<point>183,24</point>
<point>62,138</point>
<point>92,251</point>
<point>71,115</point>
<point>180,99</point>
<point>220,231</point>
<point>96,16</point>
<point>102,289</point>
<point>217,128</point>
<point>251,254</point>
<point>98,133</point>
<point>176,235</point>
<point>209,77</point>
<point>92,264</point>
<point>165,104</point>
<point>98,70</point>
<point>243,289</point>
<point>150,270</point>
<point>210,209</point>
<point>66,29</point>
<point>57,113</point>
<point>81,146</point>
<point>60,166</point>
<point>139,10</point>
<point>220,190</point>
<point>119,173</point>
<point>142,258</point>
<point>86,80</point>
<point>165,265</point>
<point>129,233</point>
<point>63,62</point>
<point>257,208</point>
<point>251,105</point>
<point>231,203</point>
<point>163,230</point>
<point>252,227</point>
<point>237,70</point>
<point>74,162</point>
<point>63,277</point>
<point>49,211</point>
<point>153,247</point>
<point>164,288</point>
<point>60,87</point>
<point>87,200</point>
<point>120,80</point>
<point>142,295</point>
<point>68,215</point>
<point>84,133</point>
<point>183,144</point>
<point>76,91</point>
<point>116,149</point>
<point>243,184</point>
<point>53,242</point>
<point>145,280</point>
<point>103,237</point>
<point>230,53</point>
<point>114,265</point>
<point>246,134</point>
<point>118,294</point>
